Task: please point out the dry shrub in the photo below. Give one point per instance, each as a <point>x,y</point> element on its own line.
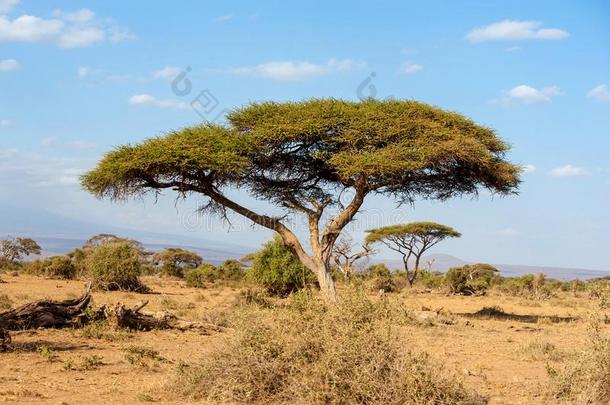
<point>5,302</point>
<point>586,379</point>
<point>309,352</point>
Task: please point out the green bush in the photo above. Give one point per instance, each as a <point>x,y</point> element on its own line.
<point>378,277</point>
<point>277,270</point>
<point>115,266</point>
<point>529,286</point>
<point>8,266</point>
<point>58,267</point>
<point>231,270</point>
<point>200,276</point>
<point>471,279</point>
<point>430,279</point>
<point>174,262</point>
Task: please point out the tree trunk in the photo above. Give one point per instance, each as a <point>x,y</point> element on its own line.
<point>327,284</point>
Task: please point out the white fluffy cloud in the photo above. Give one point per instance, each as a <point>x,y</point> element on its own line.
<point>600,93</point>
<point>529,169</point>
<point>30,170</point>
<point>7,5</point>
<point>510,30</point>
<point>568,171</point>
<point>529,95</point>
<point>76,29</point>
<point>224,18</point>
<point>83,71</point>
<point>28,28</point>
<point>167,73</point>
<point>7,65</point>
<point>297,70</point>
<point>148,100</point>
<point>4,123</point>
<point>410,68</point>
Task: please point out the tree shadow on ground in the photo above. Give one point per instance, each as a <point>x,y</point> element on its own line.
<point>498,313</point>
<point>34,346</point>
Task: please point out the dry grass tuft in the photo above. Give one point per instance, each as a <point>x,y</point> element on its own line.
<point>310,352</point>
<point>586,379</point>
<point>5,302</point>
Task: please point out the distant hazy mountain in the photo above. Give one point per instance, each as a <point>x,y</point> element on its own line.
<point>58,235</point>
<point>443,262</point>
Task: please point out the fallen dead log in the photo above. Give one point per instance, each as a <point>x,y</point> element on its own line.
<point>77,313</point>
<point>47,314</point>
<point>120,317</point>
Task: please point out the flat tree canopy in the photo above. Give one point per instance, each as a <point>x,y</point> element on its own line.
<point>411,240</point>
<point>302,155</point>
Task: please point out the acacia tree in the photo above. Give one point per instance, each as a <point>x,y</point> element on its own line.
<point>411,241</point>
<point>173,261</point>
<point>345,258</point>
<point>14,249</point>
<point>301,157</point>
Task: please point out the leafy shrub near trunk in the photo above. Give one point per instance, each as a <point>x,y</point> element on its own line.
<point>115,266</point>
<point>312,353</point>
<point>277,270</point>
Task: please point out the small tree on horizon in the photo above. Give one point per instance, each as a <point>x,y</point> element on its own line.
<point>14,249</point>
<point>302,157</point>
<point>411,241</point>
<point>174,261</point>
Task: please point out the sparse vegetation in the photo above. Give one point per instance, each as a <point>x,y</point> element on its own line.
<point>59,267</point>
<point>586,379</point>
<point>5,302</point>
<point>312,353</point>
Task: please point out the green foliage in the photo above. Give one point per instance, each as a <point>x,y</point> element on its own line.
<point>309,353</point>
<point>471,279</point>
<point>202,275</point>
<point>379,277</point>
<point>8,266</point>
<point>174,261</point>
<point>59,267</point>
<point>231,270</point>
<point>414,230</point>
<point>404,147</point>
<point>277,270</point>
<point>529,286</point>
<point>430,279</point>
<point>14,249</point>
<point>115,266</point>
<point>411,241</point>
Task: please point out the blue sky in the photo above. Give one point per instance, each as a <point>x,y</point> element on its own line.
<point>79,78</point>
